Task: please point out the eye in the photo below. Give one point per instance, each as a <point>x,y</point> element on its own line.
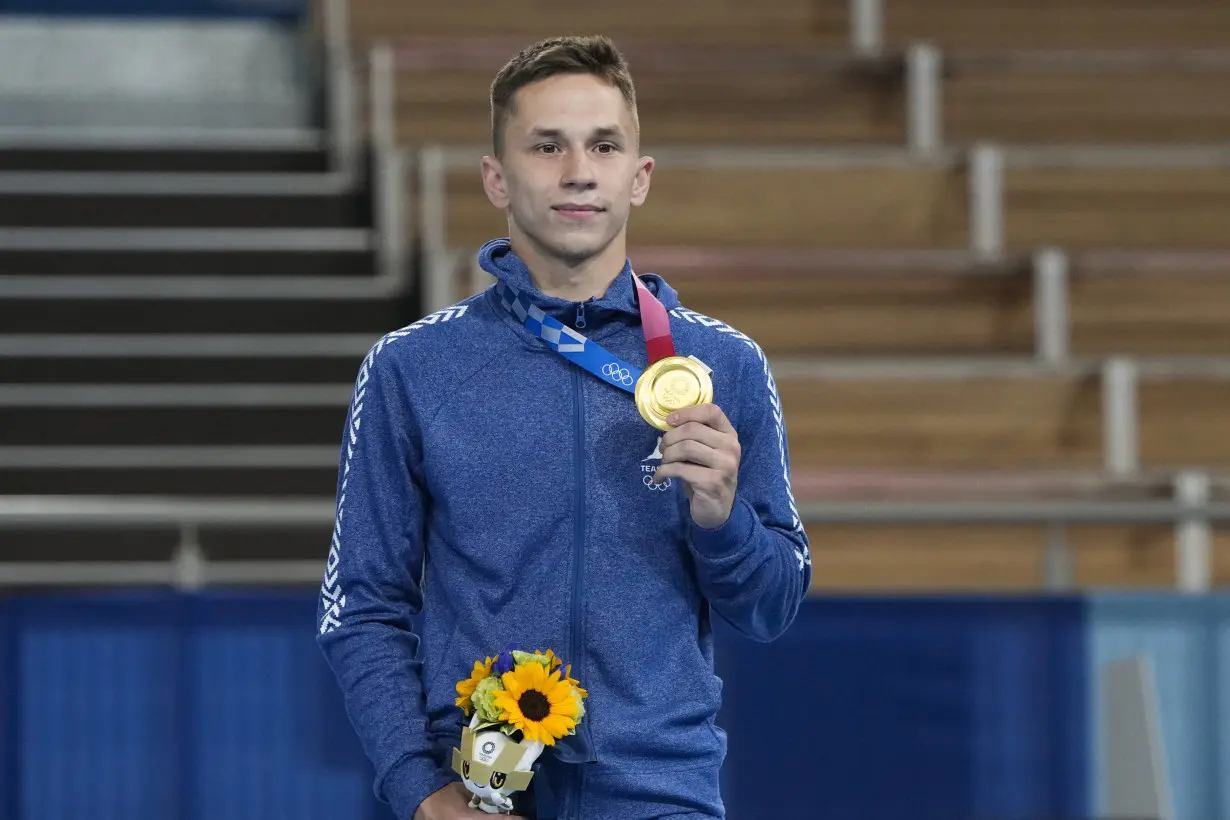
<point>607,148</point>
<point>548,149</point>
<point>465,769</point>
<point>498,779</point>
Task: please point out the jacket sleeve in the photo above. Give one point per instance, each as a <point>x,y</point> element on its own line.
<point>755,569</point>
<point>371,588</point>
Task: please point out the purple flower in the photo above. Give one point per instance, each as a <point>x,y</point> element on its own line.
<point>504,661</point>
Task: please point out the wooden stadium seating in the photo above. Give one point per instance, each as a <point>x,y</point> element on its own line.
<point>1150,304</point>
<point>1130,206</point>
<point>826,303</point>
<point>685,94</point>
<point>788,206</point>
<point>671,22</point>
<point>809,257</point>
<point>869,303</point>
<point>942,558</point>
<point>1221,556</point>
<point>992,557</point>
<point>1030,421</point>
<point>860,303</point>
<point>1048,98</point>
<point>1184,421</point>
<point>1009,422</point>
<point>1061,24</point>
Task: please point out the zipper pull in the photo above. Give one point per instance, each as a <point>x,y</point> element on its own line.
<point>580,315</point>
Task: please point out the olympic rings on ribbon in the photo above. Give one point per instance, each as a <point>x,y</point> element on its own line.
<point>617,373</point>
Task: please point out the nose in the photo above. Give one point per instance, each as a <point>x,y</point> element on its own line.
<point>578,171</point>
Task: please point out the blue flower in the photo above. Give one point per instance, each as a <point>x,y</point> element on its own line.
<point>504,661</point>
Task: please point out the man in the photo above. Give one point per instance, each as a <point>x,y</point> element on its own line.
<point>504,491</point>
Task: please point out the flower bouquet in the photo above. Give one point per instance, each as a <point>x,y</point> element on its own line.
<point>518,704</point>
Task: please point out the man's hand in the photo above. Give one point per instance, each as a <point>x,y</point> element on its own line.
<point>451,803</point>
<point>702,450</point>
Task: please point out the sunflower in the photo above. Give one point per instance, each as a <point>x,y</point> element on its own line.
<point>542,706</point>
<point>465,688</point>
<point>555,663</point>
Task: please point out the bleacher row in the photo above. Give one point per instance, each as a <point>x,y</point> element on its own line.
<point>793,199</point>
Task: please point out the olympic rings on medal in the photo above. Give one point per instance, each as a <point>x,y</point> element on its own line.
<point>663,487</point>
<point>617,373</point>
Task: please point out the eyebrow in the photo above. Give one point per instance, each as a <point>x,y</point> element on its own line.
<point>606,132</point>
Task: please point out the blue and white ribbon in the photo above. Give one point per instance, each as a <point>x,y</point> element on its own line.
<point>569,343</point>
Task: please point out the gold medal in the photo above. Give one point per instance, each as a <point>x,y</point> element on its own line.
<point>671,384</point>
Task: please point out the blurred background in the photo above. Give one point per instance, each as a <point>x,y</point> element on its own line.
<point>986,246</point>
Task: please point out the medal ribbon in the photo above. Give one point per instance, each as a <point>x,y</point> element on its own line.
<point>573,346</point>
<point>655,322</point>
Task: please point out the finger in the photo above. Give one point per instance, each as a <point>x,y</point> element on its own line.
<point>696,431</point>
<point>709,415</point>
<point>692,452</point>
<point>693,474</point>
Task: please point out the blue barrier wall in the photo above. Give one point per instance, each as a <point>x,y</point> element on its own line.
<point>220,705</point>
<point>178,708</point>
<point>917,709</point>
<point>9,708</point>
<point>1187,639</point>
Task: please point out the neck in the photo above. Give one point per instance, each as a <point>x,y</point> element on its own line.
<point>589,278</point>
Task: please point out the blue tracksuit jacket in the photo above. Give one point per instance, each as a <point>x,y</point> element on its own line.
<point>492,492</point>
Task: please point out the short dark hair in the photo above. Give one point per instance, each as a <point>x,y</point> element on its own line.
<point>595,55</point>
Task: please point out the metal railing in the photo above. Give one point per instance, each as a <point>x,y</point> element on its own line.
<point>1120,378</point>
<point>187,567</point>
<point>1191,512</point>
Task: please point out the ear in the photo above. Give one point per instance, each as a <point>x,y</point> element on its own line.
<point>494,183</point>
<point>640,183</point>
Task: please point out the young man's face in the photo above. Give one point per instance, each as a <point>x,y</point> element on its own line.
<point>570,170</point>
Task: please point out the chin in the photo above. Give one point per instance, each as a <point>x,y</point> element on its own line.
<point>572,244</point>
<point>578,249</point>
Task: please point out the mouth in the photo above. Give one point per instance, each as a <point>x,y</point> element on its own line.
<point>577,211</point>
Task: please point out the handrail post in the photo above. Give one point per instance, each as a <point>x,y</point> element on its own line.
<point>924,99</point>
<point>1193,533</point>
<point>1120,426</point>
<point>389,185</point>
<point>340,98</point>
<point>867,26</point>
<point>438,285</point>
<point>986,201</point>
<point>188,564</point>
<point>1051,321</point>
<point>1057,571</point>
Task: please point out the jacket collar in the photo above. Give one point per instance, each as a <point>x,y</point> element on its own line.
<point>614,310</point>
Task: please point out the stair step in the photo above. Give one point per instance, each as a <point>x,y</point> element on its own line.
<point>370,315</point>
<point>174,358</point>
<point>155,471</point>
<point>189,481</point>
<point>287,262</point>
<point>185,210</point>
<point>186,252</point>
<point>111,544</point>
<point>170,159</point>
<point>201,200</point>
<point>194,370</point>
<point>184,425</point>
<point>93,544</point>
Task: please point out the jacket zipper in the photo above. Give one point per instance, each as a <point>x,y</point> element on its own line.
<point>578,555</point>
<point>580,322</point>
